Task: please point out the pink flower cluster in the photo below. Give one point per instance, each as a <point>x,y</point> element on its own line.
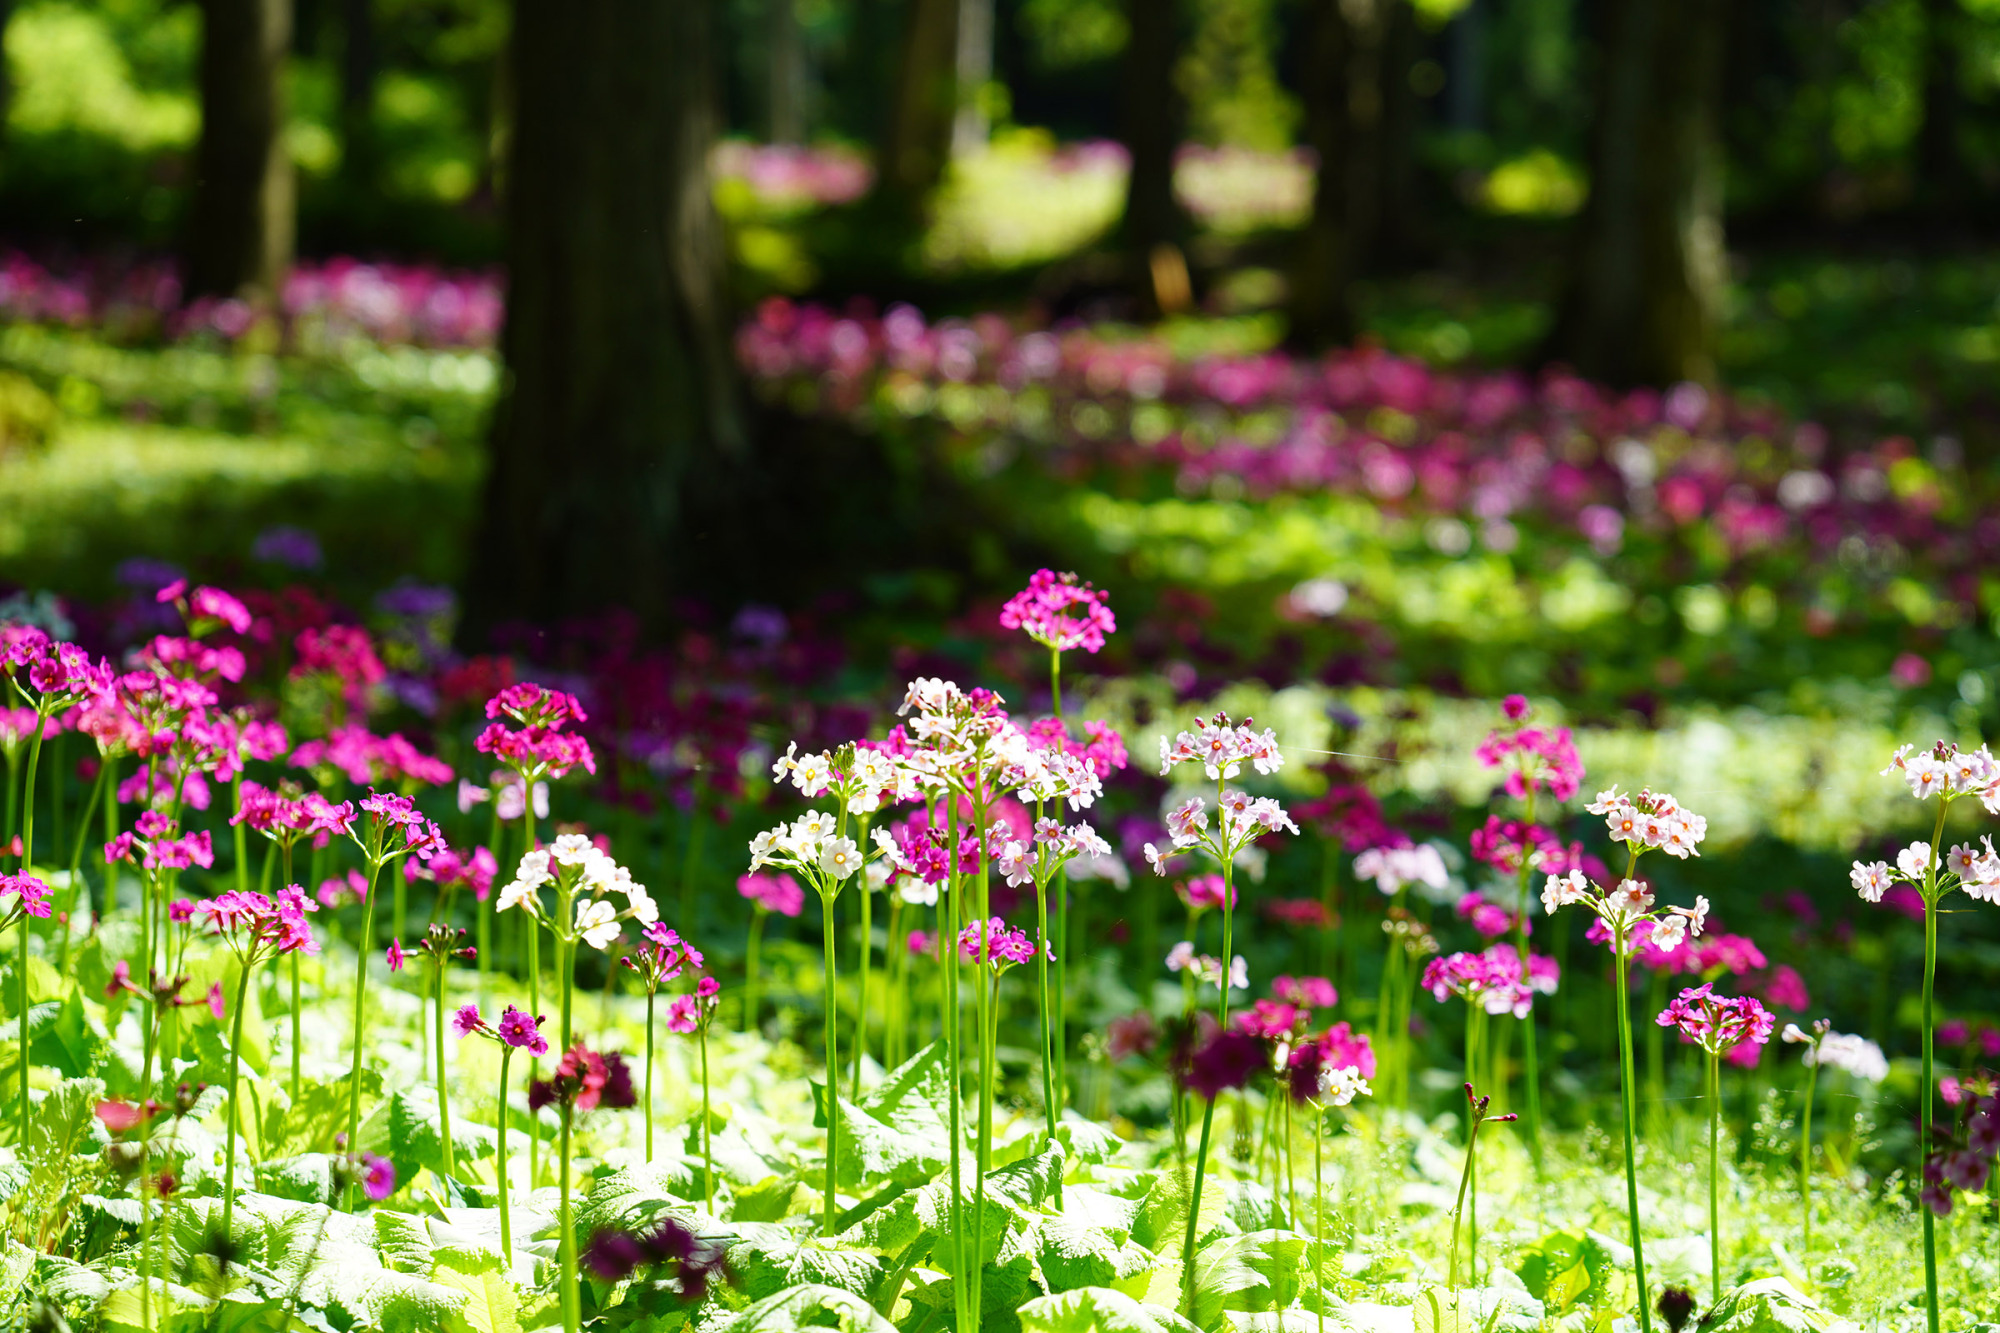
<point>1535,757</point>
<point>285,818</point>
<point>1006,946</point>
<point>1720,1024</point>
<point>1222,748</point>
<point>1060,613</point>
<point>252,924</point>
<point>369,760</point>
<point>1492,979</point>
<point>778,893</point>
<point>540,745</point>
<point>153,837</point>
<point>30,895</point>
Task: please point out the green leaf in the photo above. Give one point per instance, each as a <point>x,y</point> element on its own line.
<point>806,1306</point>
<point>1087,1141</point>
<point>121,1314</point>
<point>65,1281</point>
<point>1029,1183</point>
<point>770,1257</point>
<point>71,1040</point>
<point>1770,1305</point>
<point>403,1241</point>
<point>766,1201</point>
<point>490,1305</point>
<point>1099,1310</point>
<point>1161,1221</point>
<point>1073,1255</point>
<point>632,1196</point>
<point>15,1264</point>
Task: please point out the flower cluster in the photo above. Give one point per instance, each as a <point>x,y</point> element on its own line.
<point>1828,1049</point>
<point>1491,980</point>
<point>23,895</point>
<point>583,1081</point>
<point>1242,820</point>
<point>1060,613</point>
<point>1535,757</point>
<point>1006,946</point>
<point>366,759</point>
<point>1719,1024</point>
<point>1961,1156</point>
<point>583,874</point>
<point>1393,869</point>
<point>1222,749</point>
<point>1650,821</point>
<point>539,746</point>
<point>517,1028</point>
<point>617,1255</point>
<point>662,956</point>
<point>773,893</point>
<point>1206,968</point>
<point>1626,912</point>
<point>255,927</point>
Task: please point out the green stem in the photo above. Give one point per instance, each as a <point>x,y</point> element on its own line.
<point>861,996</point>
<point>365,946</point>
<point>500,1165</point>
<point>27,867</point>
<point>649,1074</point>
<point>235,1107</point>
<point>1319,1214</point>
<point>1625,1100</point>
<point>750,969</point>
<point>1458,1209</point>
<point>832,1061</point>
<point>949,911</point>
<point>1061,997</point>
<point>566,967</point>
<point>76,866</point>
<point>241,833</point>
<point>1928,1086</point>
<point>707,1142</point>
<point>1208,1111</point>
<point>444,1102</point>
<point>1531,1068</point>
<point>1042,981</point>
<point>1714,1167</point>
<point>295,1026</point>
<point>1805,1154</point>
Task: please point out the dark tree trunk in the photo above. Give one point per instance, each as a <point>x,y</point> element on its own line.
<point>241,230</point>
<point>358,154</point>
<point>6,77</point>
<point>924,102</point>
<point>1152,115</point>
<point>618,443</point>
<point>1941,171</point>
<point>787,73</point>
<point>1351,46</point>
<point>1641,302</point>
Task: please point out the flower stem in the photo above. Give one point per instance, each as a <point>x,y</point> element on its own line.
<point>949,910</point>
<point>500,1165</point>
<point>832,1061</point>
<point>444,1102</point>
<point>1531,1069</point>
<point>707,1142</point>
<point>1042,981</point>
<point>649,1074</point>
<point>750,969</point>
<point>1926,1093</point>
<point>364,947</point>
<point>76,865</point>
<point>27,867</point>
<point>1714,1168</point>
<point>565,969</point>
<point>1458,1209</point>
<point>1805,1156</point>
<point>1208,1111</point>
<point>1625,1096</point>
<point>1319,1213</point>
<point>861,995</point>
<point>235,1108</point>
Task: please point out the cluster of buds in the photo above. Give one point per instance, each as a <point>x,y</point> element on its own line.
<point>440,943</point>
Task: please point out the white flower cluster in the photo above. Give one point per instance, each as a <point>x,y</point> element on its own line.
<point>864,781</point>
<point>1242,820</point>
<point>1222,749</point>
<point>1838,1050</point>
<point>1948,772</point>
<point>587,874</point>
<point>1053,847</point>
<point>1651,820</point>
<point>812,844</point>
<point>1207,967</point>
<point>1626,907</point>
<point>1965,867</point>
<point>1339,1087</point>
<point>1395,868</point>
<point>960,736</point>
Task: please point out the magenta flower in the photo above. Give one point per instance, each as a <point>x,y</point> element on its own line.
<point>522,1031</point>
<point>1005,946</point>
<point>395,955</point>
<point>1717,1023</point>
<point>216,1005</point>
<point>1060,613</point>
<point>467,1021</point>
<point>180,911</point>
<point>1306,992</point>
<point>30,895</point>
<point>1229,1059</point>
<point>378,1177</point>
<point>1200,892</point>
<point>778,893</point>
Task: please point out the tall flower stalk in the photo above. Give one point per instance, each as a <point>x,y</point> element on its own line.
<point>1718,1024</point>
<point>1643,823</point>
<point>661,958</point>
<point>254,928</point>
<point>692,1013</point>
<point>1475,1107</point>
<point>1222,749</point>
<point>1856,1056</point>
<point>1944,774</point>
<point>442,943</point>
<point>514,1031</point>
<point>583,1080</point>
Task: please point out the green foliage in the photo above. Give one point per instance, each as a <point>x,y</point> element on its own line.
<point>1099,1310</point>
<point>1770,1305</point>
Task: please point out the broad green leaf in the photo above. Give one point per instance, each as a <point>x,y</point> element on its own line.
<point>65,1281</point>
<point>1099,1310</point>
<point>632,1196</point>
<point>871,1152</point>
<point>408,1124</point>
<point>15,1264</point>
<point>1227,1274</point>
<point>770,1257</point>
<point>490,1305</point>
<point>1161,1221</point>
<point>766,1201</point>
<point>1086,1140</point>
<point>121,1314</point>
<point>1029,1183</point>
<point>1494,1309</point>
<point>1771,1305</point>
<point>806,1306</point>
<point>72,1041</point>
<point>403,1241</point>
<point>1073,1255</point>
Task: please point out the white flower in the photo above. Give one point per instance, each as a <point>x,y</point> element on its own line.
<point>1914,860</point>
<point>1971,770</point>
<point>573,849</point>
<point>1016,864</point>
<point>1854,1055</point>
<point>1157,859</point>
<point>643,910</point>
<point>1186,822</point>
<point>1607,801</point>
<point>1668,933</point>
<point>1180,956</point>
<point>1239,974</point>
<point>597,922</point>
<point>763,847</point>
<point>886,850</point>
<point>814,826</point>
<point>1926,775</point>
<point>1961,860</point>
<point>519,893</point>
<point>1339,1087</point>
<point>783,763</point>
<point>917,892</point>
<point>1563,890</point>
<point>927,694</point>
<point>840,858</point>
<point>1898,759</point>
<point>1794,1033</point>
<point>811,772</point>
<point>1870,880</point>
<point>534,869</point>
<point>1629,901</point>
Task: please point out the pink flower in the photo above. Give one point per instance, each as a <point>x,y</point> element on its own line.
<point>30,894</point>
<point>467,1021</point>
<point>1005,946</point>
<point>180,910</point>
<point>522,1031</point>
<point>215,1003</point>
<point>1202,892</point>
<point>778,893</point>
<point>395,955</point>
<point>684,1014</point>
<point>1717,1023</point>
<point>378,1177</point>
<point>1060,613</point>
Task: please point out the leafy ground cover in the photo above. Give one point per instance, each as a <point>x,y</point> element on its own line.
<point>256,1108</point>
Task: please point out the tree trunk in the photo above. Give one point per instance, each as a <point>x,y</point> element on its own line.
<point>1344,87</point>
<point>1642,297</point>
<point>970,124</point>
<point>241,229</point>
<point>788,74</point>
<point>1941,168</point>
<point>6,75</point>
<point>925,101</point>
<point>358,153</point>
<point>618,441</point>
<point>1152,115</point>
